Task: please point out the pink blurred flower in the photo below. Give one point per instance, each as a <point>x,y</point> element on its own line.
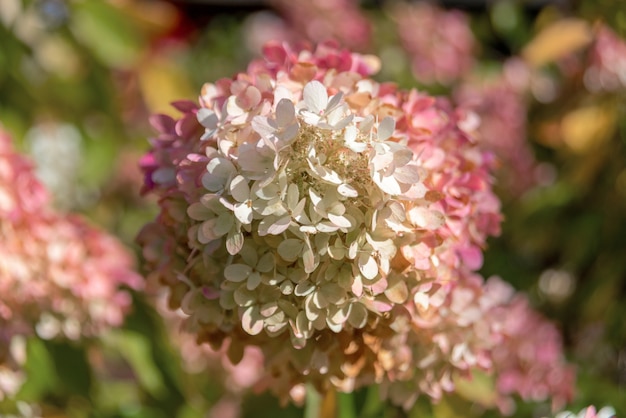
<point>496,110</point>
<point>59,276</point>
<point>322,20</point>
<point>606,70</point>
<point>440,43</point>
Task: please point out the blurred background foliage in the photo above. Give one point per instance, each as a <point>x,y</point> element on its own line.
<point>79,79</point>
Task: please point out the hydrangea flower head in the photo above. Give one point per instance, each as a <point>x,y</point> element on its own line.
<point>324,218</point>
<point>59,276</point>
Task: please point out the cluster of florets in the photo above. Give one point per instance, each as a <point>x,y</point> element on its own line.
<point>58,275</point>
<point>323,217</point>
<point>497,112</point>
<point>440,43</point>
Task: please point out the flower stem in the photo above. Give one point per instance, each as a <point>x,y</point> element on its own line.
<point>321,405</point>
<point>313,401</point>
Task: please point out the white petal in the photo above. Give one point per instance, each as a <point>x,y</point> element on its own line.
<point>368,266</point>
<point>198,212</point>
<point>426,218</point>
<point>254,280</point>
<point>342,123</point>
<point>263,126</point>
<point>326,227</point>
<point>287,135</point>
<point>311,118</point>
<point>219,170</point>
<point>386,128</point>
<point>232,107</point>
<point>207,118</point>
<point>312,311</point>
<point>234,242</point>
<point>279,226</point>
<point>347,190</point>
<point>357,286</point>
<point>304,288</point>
<point>367,124</point>
<point>409,174</point>
<point>387,184</point>
<point>315,96</point>
<point>336,328</point>
<point>333,102</point>
<point>292,196</point>
<point>397,292</point>
<point>290,249</point>
<point>252,321</point>
<point>285,112</point>
<point>223,224</point>
<point>422,300</point>
<point>340,221</point>
<point>401,155</point>
<point>243,212</point>
<point>239,189</point>
<point>297,211</point>
<point>340,315</point>
<point>280,93</point>
<point>237,272</point>
<point>358,315</point>
<point>309,260</point>
<point>266,263</point>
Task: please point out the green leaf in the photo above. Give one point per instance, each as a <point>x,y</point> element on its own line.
<point>345,405</point>
<point>136,349</point>
<point>40,373</point>
<point>109,33</point>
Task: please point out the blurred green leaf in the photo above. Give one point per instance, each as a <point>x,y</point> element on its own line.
<point>136,349</point>
<point>109,34</point>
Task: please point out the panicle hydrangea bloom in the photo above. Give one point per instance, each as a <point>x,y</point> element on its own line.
<point>440,43</point>
<point>322,20</point>
<point>326,219</point>
<point>606,70</point>
<point>58,275</point>
<point>497,111</point>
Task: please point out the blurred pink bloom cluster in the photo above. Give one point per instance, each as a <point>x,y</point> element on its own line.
<point>322,20</point>
<point>333,222</point>
<point>59,276</point>
<point>478,325</point>
<point>497,109</point>
<point>440,43</point>
<point>606,70</point>
<point>529,358</point>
